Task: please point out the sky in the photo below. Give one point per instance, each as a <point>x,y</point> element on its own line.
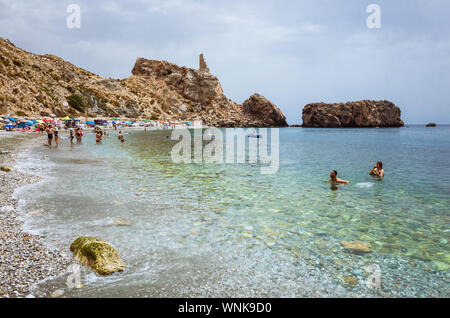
<point>292,52</point>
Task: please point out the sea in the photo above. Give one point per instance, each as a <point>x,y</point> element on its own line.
<point>224,229</point>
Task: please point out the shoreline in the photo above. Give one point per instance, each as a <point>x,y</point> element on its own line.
<point>24,258</point>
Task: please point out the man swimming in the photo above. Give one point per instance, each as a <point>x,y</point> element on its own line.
<point>335,179</point>
<point>377,170</point>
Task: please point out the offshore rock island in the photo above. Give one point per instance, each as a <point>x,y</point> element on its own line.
<point>34,85</point>
<point>361,114</point>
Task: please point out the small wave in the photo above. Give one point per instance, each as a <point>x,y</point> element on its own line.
<point>364,184</point>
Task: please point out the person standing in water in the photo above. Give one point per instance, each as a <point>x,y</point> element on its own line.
<point>335,179</point>
<point>55,130</point>
<point>79,134</point>
<point>71,136</point>
<point>377,170</point>
<point>49,131</point>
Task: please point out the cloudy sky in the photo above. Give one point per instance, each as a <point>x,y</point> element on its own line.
<point>292,52</point>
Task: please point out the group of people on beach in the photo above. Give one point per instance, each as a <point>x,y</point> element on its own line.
<point>377,171</point>
<point>74,133</point>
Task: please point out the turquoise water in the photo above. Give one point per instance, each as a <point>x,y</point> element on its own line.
<point>227,230</point>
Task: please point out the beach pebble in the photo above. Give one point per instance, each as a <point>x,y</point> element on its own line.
<point>57,293</point>
<point>7,209</point>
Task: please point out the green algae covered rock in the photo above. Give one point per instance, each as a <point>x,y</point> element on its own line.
<point>5,169</point>
<point>97,254</point>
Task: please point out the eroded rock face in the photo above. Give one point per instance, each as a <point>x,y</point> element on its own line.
<point>197,86</point>
<point>41,85</point>
<point>262,110</point>
<point>364,113</point>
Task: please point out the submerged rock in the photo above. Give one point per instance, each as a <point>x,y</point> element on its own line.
<point>97,254</point>
<point>350,280</point>
<point>5,169</point>
<point>441,266</point>
<point>357,246</point>
<point>431,125</point>
<point>121,222</point>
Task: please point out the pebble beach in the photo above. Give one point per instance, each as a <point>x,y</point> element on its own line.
<point>24,259</point>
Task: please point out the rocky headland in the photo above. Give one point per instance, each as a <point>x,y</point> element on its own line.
<point>34,85</point>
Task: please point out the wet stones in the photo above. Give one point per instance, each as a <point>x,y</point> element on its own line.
<point>357,247</point>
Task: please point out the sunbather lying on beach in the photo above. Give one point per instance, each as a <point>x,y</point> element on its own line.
<point>335,179</point>
<point>377,170</point>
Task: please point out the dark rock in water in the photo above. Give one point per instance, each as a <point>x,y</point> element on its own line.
<point>264,113</point>
<point>96,253</point>
<point>431,125</point>
<point>296,126</point>
<point>364,113</point>
<point>5,169</point>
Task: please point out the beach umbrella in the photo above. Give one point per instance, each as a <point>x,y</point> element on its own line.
<point>12,119</point>
<point>66,118</point>
<point>10,126</point>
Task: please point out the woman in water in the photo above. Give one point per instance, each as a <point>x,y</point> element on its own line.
<point>55,130</point>
<point>71,136</point>
<point>79,134</point>
<point>335,179</point>
<point>377,170</point>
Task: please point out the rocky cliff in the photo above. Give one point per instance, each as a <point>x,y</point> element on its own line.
<point>45,85</point>
<point>364,113</point>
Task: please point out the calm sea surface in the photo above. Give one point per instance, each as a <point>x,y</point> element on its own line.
<point>227,230</point>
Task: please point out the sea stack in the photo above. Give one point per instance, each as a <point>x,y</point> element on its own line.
<point>203,65</point>
<point>364,114</point>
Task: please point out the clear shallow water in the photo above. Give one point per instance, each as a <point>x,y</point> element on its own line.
<point>227,230</point>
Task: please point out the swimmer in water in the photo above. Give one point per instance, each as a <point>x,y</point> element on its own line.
<point>377,170</point>
<point>98,137</point>
<point>335,179</point>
